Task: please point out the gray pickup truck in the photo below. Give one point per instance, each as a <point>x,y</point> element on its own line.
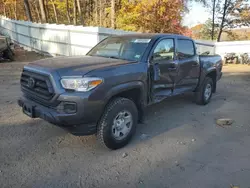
<point>106,92</point>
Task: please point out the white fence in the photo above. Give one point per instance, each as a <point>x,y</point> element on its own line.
<point>54,39</point>
<point>77,40</point>
<point>237,47</point>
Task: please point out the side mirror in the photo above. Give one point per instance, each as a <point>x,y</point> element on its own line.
<point>205,53</point>
<point>154,57</point>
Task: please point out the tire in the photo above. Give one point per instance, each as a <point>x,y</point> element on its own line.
<point>8,54</point>
<point>201,97</point>
<point>106,133</point>
<point>235,60</point>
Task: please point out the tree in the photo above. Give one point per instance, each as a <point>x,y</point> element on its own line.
<point>43,13</point>
<point>15,9</point>
<point>113,14</point>
<point>212,5</point>
<point>187,32</point>
<point>74,12</point>
<point>213,20</point>
<point>4,8</point>
<point>233,15</point>
<point>27,10</point>
<point>47,12</point>
<point>196,31</point>
<point>96,12</point>
<point>151,16</point>
<point>133,15</point>
<point>55,10</point>
<point>39,19</point>
<point>207,29</point>
<point>100,12</point>
<point>225,8</point>
<point>228,14</point>
<point>67,11</point>
<point>245,15</point>
<point>80,11</point>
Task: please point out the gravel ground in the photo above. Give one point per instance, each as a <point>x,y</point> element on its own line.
<point>178,146</point>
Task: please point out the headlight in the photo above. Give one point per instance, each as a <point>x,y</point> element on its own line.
<point>81,84</point>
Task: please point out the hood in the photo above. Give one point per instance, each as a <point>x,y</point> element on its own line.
<point>76,65</point>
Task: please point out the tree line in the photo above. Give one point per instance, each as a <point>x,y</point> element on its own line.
<point>226,16</point>
<point>77,12</point>
<point>158,16</point>
<point>135,15</point>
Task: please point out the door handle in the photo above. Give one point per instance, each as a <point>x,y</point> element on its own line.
<point>173,67</point>
<point>195,64</point>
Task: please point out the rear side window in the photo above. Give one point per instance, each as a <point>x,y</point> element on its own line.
<point>185,49</point>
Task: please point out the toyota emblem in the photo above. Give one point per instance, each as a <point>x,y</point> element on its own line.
<point>31,82</point>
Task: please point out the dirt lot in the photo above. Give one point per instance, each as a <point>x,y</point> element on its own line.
<point>178,146</point>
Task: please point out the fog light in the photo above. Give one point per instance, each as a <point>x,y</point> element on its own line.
<point>69,108</point>
<point>66,107</point>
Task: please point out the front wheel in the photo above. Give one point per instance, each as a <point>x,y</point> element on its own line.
<point>204,93</point>
<point>118,123</point>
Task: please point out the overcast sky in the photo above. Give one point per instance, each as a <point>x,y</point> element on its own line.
<point>197,14</point>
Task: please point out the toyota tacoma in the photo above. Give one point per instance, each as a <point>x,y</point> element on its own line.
<point>106,92</point>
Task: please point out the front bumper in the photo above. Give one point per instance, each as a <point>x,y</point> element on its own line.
<point>78,123</point>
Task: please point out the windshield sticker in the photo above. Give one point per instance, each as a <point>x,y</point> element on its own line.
<point>137,56</point>
<point>141,40</point>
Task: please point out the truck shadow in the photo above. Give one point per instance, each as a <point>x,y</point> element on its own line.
<point>170,114</point>
<point>182,110</point>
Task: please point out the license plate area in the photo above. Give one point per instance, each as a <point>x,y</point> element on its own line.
<point>28,110</point>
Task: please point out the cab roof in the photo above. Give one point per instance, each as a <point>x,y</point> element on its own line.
<point>152,35</point>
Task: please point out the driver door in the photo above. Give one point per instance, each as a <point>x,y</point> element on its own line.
<point>164,69</point>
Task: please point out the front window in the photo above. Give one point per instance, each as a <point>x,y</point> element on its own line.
<point>164,50</point>
<point>128,48</point>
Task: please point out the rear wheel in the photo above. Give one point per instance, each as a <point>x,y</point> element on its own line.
<point>235,60</point>
<point>204,93</point>
<point>118,123</point>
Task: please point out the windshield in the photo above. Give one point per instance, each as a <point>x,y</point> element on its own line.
<point>121,48</point>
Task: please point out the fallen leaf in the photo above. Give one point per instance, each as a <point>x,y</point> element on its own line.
<point>224,122</point>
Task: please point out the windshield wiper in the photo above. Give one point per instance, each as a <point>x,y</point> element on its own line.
<point>113,57</point>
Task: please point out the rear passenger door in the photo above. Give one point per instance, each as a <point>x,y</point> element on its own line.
<point>189,67</point>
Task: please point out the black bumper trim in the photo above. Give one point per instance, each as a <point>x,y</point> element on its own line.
<point>62,120</point>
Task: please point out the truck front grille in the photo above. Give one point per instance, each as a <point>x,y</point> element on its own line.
<point>36,86</point>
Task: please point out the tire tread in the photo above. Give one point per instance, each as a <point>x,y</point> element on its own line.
<point>199,98</point>
<point>103,121</point>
